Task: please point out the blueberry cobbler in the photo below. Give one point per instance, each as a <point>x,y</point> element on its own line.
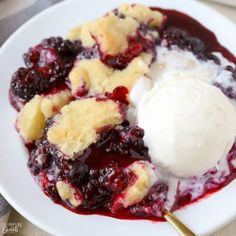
<point>132,114</point>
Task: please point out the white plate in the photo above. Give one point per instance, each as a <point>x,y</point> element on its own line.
<point>16,182</point>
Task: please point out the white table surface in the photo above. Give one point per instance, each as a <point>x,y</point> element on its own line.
<point>28,229</point>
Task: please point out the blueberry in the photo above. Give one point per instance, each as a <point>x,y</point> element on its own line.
<point>78,173</point>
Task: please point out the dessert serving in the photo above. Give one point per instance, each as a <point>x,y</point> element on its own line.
<point>131,115</point>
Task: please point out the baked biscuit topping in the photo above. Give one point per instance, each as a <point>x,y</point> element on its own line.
<point>52,103</point>
<point>142,14</point>
<point>77,126</point>
<point>110,32</point>
<point>82,33</point>
<point>69,193</point>
<point>145,177</point>
<point>33,115</point>
<point>95,77</point>
<point>31,120</point>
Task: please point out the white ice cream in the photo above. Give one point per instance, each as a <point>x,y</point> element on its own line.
<point>189,125</point>
<point>185,138</point>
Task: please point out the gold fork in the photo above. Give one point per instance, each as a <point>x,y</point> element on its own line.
<point>182,229</point>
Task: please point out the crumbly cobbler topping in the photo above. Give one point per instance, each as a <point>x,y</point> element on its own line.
<point>32,118</point>
<point>67,192</point>
<point>78,124</point>
<point>97,78</point>
<point>110,32</point>
<point>142,14</point>
<point>144,178</point>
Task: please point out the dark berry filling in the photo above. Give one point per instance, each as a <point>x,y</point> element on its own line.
<point>48,187</point>
<point>52,53</point>
<point>103,184</point>
<point>16,102</point>
<point>174,36</point>
<point>48,65</point>
<point>54,58</point>
<point>127,141</point>
<point>27,82</point>
<point>196,30</point>
<point>98,172</point>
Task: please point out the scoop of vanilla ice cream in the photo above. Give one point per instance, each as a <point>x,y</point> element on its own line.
<point>189,125</point>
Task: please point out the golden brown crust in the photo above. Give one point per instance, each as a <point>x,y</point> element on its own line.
<point>96,77</point>
<point>142,14</point>
<point>68,193</point>
<point>32,118</point>
<point>76,127</point>
<point>110,32</point>
<point>137,190</point>
<point>52,103</point>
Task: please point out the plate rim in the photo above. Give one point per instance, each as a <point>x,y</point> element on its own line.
<point>3,191</point>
